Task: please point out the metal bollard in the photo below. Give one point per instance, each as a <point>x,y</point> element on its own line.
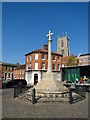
<point>14,92</point>
<point>33,96</point>
<point>70,96</point>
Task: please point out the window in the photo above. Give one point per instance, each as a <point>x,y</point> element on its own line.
<point>53,66</point>
<point>58,66</point>
<point>30,57</point>
<point>88,58</point>
<point>20,71</point>
<point>9,75</point>
<point>80,60</point>
<point>27,58</point>
<point>53,58</point>
<point>0,72</point>
<point>30,66</point>
<point>27,66</point>
<point>36,66</point>
<point>12,68</point>
<point>43,66</point>
<point>43,56</point>
<point>62,51</point>
<point>9,68</point>
<point>62,44</point>
<point>36,56</point>
<point>84,59</point>
<point>62,65</point>
<point>58,58</point>
<point>6,68</point>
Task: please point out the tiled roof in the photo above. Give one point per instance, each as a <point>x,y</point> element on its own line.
<point>43,51</point>
<point>8,64</point>
<point>21,67</point>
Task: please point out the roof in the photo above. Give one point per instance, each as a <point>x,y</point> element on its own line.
<point>8,64</point>
<point>43,51</point>
<point>85,54</point>
<point>21,67</point>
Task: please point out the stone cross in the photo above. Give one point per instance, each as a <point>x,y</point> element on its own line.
<point>49,52</point>
<point>50,34</point>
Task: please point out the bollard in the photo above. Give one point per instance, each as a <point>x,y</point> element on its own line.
<point>33,96</point>
<point>70,96</point>
<point>14,92</point>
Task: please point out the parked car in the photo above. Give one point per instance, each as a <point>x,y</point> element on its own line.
<point>16,82</point>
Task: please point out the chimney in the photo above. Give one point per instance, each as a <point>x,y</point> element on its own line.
<point>45,47</point>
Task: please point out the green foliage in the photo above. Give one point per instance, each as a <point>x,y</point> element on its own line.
<point>73,61</point>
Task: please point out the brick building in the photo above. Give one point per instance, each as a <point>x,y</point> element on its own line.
<point>84,59</point>
<point>6,71</point>
<point>37,62</point>
<point>19,72</point>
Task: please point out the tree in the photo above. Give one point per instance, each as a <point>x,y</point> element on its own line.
<point>73,61</point>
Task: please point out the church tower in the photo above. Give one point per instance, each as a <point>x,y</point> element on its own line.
<point>63,45</point>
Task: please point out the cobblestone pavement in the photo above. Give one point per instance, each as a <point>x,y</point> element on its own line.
<point>14,108</point>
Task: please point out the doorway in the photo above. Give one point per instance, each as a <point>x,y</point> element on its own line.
<point>35,79</point>
<point>5,76</point>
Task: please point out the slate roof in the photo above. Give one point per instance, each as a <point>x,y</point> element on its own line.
<point>43,51</point>
<point>21,67</point>
<point>8,64</point>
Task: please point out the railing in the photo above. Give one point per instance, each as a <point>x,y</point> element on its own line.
<point>80,90</point>
<point>19,90</point>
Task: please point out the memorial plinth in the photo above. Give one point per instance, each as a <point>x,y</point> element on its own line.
<point>49,84</point>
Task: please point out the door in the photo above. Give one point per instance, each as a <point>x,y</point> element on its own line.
<point>5,76</point>
<point>35,79</point>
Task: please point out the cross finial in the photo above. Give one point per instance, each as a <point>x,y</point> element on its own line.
<point>50,34</point>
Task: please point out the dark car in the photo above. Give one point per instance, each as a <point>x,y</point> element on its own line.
<point>16,82</point>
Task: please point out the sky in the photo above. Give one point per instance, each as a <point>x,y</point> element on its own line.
<point>25,26</point>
